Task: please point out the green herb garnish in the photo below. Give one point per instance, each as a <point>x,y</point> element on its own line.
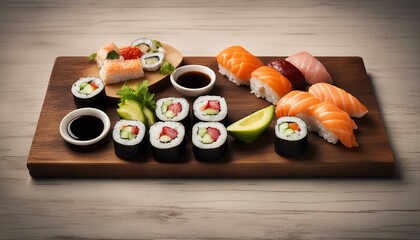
<point>166,68</point>
<point>157,43</point>
<point>113,55</point>
<point>92,57</point>
<point>140,94</point>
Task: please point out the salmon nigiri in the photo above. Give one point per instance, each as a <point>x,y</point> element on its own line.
<point>295,103</point>
<point>237,64</point>
<point>268,83</point>
<point>333,124</point>
<point>312,69</point>
<point>339,97</point>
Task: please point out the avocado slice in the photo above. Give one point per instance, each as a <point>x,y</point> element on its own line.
<point>252,126</point>
<point>150,116</point>
<point>131,110</point>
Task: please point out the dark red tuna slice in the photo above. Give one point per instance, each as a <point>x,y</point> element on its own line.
<point>288,70</point>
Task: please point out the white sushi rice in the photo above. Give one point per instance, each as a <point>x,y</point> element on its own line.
<point>122,123</point>
<point>197,139</point>
<point>232,77</point>
<point>202,116</point>
<point>156,129</point>
<point>316,126</point>
<point>181,115</point>
<point>75,88</point>
<point>263,90</point>
<point>297,135</point>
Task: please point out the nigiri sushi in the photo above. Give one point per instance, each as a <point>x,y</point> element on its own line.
<point>114,71</point>
<point>333,124</point>
<point>103,52</point>
<point>311,68</point>
<point>327,120</point>
<point>268,83</point>
<point>295,103</point>
<point>339,97</point>
<point>294,75</point>
<point>237,64</point>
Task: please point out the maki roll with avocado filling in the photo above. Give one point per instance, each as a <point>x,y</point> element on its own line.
<point>173,109</point>
<point>291,138</point>
<point>167,140</point>
<point>89,92</point>
<point>209,141</point>
<point>129,139</point>
<point>210,109</point>
<point>152,61</point>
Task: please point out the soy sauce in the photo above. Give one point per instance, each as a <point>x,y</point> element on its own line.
<point>193,79</point>
<point>85,127</point>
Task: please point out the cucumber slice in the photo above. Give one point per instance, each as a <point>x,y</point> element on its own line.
<point>87,89</point>
<point>211,111</point>
<point>124,134</point>
<point>169,114</point>
<point>83,85</point>
<point>165,139</point>
<point>283,127</point>
<point>131,136</point>
<point>202,131</point>
<point>207,139</point>
<point>165,106</point>
<point>289,132</point>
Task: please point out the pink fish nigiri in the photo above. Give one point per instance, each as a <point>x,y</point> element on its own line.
<point>339,97</point>
<point>311,68</point>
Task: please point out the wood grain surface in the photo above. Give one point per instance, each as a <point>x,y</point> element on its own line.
<point>243,160</point>
<point>384,33</point>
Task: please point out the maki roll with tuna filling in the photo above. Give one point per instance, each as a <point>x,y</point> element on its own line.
<point>129,139</point>
<point>167,140</point>
<point>89,92</point>
<point>173,109</point>
<point>210,109</point>
<point>291,138</point>
<point>209,141</point>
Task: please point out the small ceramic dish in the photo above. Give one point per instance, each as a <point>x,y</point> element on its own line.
<point>85,126</point>
<point>193,80</point>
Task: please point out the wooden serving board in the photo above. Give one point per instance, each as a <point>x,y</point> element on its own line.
<point>51,156</point>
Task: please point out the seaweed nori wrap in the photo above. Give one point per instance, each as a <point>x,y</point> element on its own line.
<point>209,141</point>
<point>291,136</point>
<point>89,92</point>
<point>129,139</point>
<point>167,141</point>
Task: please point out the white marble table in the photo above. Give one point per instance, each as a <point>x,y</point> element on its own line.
<point>385,34</point>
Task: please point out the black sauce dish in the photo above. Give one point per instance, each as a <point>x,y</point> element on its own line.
<point>85,128</point>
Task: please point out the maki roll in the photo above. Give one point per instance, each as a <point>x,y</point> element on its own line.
<point>152,61</point>
<point>173,109</point>
<point>167,140</point>
<point>145,45</point>
<point>128,137</point>
<point>291,138</point>
<point>210,109</point>
<point>209,141</point>
<point>89,92</point>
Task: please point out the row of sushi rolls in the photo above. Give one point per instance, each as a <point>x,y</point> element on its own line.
<point>300,91</point>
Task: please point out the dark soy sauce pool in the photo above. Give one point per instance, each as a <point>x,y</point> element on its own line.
<point>85,127</point>
<point>193,79</point>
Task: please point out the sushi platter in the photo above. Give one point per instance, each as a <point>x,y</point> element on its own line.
<point>51,156</point>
